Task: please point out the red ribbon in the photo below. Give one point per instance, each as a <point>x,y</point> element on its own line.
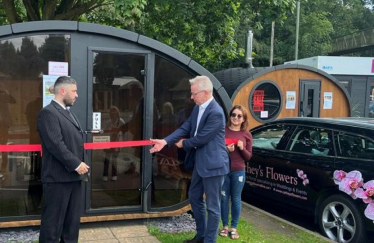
<point>20,147</point>
<point>100,145</point>
<point>107,145</point>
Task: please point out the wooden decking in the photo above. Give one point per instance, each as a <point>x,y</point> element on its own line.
<point>101,218</point>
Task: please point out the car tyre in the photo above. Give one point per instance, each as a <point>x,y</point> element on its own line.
<point>340,220</point>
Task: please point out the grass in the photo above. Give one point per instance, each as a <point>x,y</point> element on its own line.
<point>248,234</point>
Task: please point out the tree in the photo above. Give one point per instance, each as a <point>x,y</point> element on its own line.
<point>34,10</point>
<point>320,22</point>
<point>208,31</point>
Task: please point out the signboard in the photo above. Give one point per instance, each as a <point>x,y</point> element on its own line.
<point>100,139</point>
<point>58,68</point>
<point>258,100</point>
<point>290,99</point>
<point>96,121</point>
<point>48,93</point>
<point>327,100</point>
<point>339,65</point>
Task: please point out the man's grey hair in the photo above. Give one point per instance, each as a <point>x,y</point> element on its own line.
<point>203,82</point>
<point>62,81</point>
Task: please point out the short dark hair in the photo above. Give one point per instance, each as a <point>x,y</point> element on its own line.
<point>63,80</point>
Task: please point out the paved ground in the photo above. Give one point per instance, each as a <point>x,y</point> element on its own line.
<point>126,231</point>
<point>135,231</point>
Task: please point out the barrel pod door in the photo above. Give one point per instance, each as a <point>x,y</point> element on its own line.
<point>116,107</point>
<point>309,98</point>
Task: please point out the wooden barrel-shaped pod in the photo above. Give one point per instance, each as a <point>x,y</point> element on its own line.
<point>285,91</point>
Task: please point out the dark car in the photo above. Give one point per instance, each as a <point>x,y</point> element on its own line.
<point>322,167</point>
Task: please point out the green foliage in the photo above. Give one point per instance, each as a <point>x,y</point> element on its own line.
<point>213,32</point>
<point>248,233</point>
<point>203,30</point>
<point>320,22</point>
<point>118,13</point>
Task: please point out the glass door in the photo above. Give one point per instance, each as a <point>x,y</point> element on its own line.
<point>309,98</point>
<point>116,82</point>
<point>371,99</point>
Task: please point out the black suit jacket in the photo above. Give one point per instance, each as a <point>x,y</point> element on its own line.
<point>62,144</point>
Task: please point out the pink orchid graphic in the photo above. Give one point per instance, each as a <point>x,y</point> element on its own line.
<point>369,211</point>
<point>299,173</point>
<point>366,193</point>
<point>351,182</point>
<point>305,182</point>
<point>339,175</point>
<point>302,176</point>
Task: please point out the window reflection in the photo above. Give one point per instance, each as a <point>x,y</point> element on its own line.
<point>265,102</point>
<point>118,89</point>
<point>23,61</point>
<point>172,96</point>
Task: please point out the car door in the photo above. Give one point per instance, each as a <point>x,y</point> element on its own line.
<point>309,157</point>
<point>267,166</point>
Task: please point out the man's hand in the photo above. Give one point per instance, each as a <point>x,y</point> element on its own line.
<point>179,144</point>
<point>158,144</point>
<point>83,168</point>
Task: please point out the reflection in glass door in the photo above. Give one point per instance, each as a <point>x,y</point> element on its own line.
<point>117,96</point>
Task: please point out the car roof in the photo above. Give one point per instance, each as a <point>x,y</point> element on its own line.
<point>359,122</point>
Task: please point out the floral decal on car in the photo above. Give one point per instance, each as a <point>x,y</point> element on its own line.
<point>353,184</point>
<point>302,176</point>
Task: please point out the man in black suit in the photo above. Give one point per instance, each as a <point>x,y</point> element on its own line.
<point>63,166</point>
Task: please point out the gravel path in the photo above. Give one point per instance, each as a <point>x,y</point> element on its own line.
<point>26,236</point>
<point>176,224</point>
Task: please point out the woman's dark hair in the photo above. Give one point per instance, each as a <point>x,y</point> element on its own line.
<point>245,123</point>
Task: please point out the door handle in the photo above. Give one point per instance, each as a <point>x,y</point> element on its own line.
<point>94,131</point>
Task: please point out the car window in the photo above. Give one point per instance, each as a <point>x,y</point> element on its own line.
<point>268,137</point>
<point>311,140</point>
<point>354,146</point>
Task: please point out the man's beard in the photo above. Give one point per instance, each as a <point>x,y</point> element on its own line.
<point>68,102</point>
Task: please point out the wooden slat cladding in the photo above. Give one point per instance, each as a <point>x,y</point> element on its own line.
<point>289,80</point>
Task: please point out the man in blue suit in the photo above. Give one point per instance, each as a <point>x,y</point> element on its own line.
<point>206,150</point>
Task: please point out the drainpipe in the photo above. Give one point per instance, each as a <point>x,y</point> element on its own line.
<point>297,30</point>
<point>248,49</point>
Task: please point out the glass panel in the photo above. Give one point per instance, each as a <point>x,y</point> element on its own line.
<point>173,98</point>
<point>309,106</point>
<point>345,84</point>
<point>265,101</point>
<point>23,61</point>
<point>371,102</point>
<point>312,141</point>
<point>353,146</point>
<point>268,137</point>
<point>118,96</point>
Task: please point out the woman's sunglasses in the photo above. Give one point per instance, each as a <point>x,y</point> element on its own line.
<point>236,115</point>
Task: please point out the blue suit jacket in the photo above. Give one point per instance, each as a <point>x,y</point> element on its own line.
<point>207,148</point>
<point>62,144</point>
